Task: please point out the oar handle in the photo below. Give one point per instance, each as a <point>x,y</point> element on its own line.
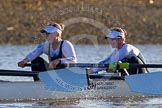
<point>29,65</point>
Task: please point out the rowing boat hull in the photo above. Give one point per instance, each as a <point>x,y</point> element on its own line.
<point>36,90</point>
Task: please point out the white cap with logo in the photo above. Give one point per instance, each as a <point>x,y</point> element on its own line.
<point>114,34</point>
<point>51,29</point>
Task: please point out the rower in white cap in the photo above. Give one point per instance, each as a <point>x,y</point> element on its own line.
<point>58,50</point>
<point>123,52</point>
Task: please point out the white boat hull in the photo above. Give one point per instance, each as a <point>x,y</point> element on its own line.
<point>36,90</point>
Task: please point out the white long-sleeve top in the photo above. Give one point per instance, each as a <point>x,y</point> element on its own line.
<point>126,51</point>
<point>67,50</point>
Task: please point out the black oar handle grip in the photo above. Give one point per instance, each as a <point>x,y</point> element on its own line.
<point>29,65</point>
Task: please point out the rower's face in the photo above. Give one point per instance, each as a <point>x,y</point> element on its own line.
<point>51,37</point>
<point>114,42</point>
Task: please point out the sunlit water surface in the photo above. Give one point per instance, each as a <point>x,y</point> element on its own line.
<point>10,55</point>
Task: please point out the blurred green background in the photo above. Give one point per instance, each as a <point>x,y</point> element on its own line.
<point>21,20</point>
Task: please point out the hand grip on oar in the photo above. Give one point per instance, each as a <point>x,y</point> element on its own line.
<point>29,65</point>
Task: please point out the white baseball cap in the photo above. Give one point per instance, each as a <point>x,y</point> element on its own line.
<point>51,29</point>
<point>114,34</point>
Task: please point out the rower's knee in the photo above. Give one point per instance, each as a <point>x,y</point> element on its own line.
<point>38,64</point>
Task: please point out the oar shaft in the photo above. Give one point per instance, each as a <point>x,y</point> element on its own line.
<point>145,65</point>
<point>128,65</point>
<point>68,65</point>
<point>111,65</point>
<point>84,65</point>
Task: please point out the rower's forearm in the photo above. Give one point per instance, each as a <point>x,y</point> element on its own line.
<point>68,60</point>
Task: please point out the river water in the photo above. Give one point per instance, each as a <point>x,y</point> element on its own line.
<point>10,55</point>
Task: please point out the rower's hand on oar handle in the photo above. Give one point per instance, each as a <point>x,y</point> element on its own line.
<point>54,63</point>
<point>23,62</point>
